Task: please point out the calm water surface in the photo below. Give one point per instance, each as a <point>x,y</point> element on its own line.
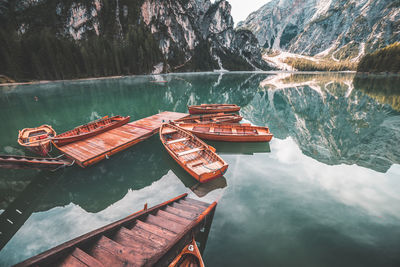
<point>324,192</point>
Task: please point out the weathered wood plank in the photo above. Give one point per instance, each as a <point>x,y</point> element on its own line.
<point>159,240</point>
<point>195,202</point>
<point>191,206</point>
<point>181,213</point>
<point>173,217</point>
<point>86,258</point>
<point>109,251</point>
<point>71,261</point>
<point>187,208</point>
<point>156,230</point>
<point>165,223</point>
<point>127,238</point>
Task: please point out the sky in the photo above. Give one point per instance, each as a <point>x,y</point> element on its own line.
<point>242,8</point>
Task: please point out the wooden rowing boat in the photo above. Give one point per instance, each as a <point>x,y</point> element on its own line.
<point>192,154</point>
<point>22,162</point>
<point>90,129</point>
<point>151,237</point>
<point>232,132</point>
<point>211,118</point>
<point>189,257</point>
<point>38,139</point>
<point>213,108</point>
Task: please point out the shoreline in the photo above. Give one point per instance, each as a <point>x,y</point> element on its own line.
<point>207,72</point>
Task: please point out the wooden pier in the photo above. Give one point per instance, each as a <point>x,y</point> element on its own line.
<point>151,237</point>
<point>94,149</point>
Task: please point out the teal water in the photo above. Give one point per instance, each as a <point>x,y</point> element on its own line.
<point>324,192</point>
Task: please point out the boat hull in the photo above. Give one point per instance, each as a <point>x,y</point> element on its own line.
<point>189,256</point>
<point>229,132</point>
<point>203,178</point>
<point>37,140</point>
<point>211,118</point>
<point>213,108</point>
<point>233,138</point>
<point>61,141</point>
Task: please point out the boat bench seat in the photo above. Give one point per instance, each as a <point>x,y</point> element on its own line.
<point>176,141</point>
<point>183,153</point>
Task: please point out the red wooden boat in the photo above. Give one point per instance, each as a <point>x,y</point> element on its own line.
<point>151,237</point>
<point>232,132</point>
<point>211,118</point>
<point>38,139</point>
<point>192,154</point>
<point>190,256</point>
<point>90,129</point>
<point>213,108</point>
<point>23,162</point>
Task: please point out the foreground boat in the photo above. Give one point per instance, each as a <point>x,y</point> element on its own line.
<point>229,132</point>
<point>90,129</point>
<point>213,108</point>
<point>22,162</point>
<point>38,139</point>
<point>189,257</point>
<point>211,118</point>
<point>192,154</point>
<point>151,237</point>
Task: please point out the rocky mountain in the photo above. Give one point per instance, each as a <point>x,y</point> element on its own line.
<point>339,29</point>
<point>43,39</point>
<point>185,29</point>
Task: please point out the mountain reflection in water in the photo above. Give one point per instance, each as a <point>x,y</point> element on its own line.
<point>329,119</point>
<point>317,120</point>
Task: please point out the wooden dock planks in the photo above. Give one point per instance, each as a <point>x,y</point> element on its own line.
<point>94,149</point>
<point>151,237</point>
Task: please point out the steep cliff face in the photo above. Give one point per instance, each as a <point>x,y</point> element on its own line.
<point>71,39</point>
<point>340,29</point>
<point>198,30</point>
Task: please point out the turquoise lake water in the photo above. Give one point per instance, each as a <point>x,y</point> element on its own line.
<point>324,192</point>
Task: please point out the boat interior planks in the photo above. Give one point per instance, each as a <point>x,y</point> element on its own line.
<point>93,149</point>
<point>150,237</point>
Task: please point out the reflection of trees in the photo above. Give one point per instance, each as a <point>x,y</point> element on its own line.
<point>385,89</point>
<point>329,125</point>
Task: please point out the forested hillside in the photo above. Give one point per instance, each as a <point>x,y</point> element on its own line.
<point>34,44</point>
<point>383,60</point>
